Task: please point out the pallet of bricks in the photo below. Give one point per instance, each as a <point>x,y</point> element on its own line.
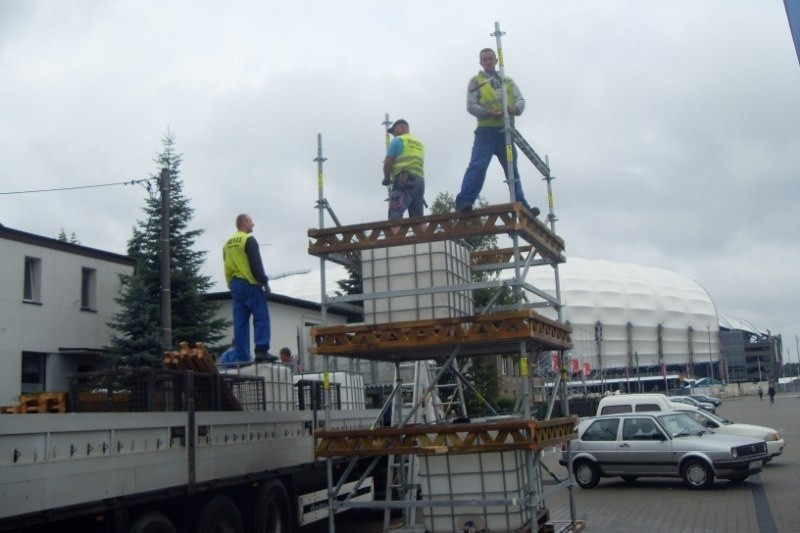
<point>43,402</point>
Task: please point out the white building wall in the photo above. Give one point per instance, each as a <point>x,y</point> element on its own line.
<point>56,321</point>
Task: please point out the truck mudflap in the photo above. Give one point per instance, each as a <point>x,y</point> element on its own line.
<point>314,505</point>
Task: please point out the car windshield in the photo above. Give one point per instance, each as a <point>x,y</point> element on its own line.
<point>681,425</point>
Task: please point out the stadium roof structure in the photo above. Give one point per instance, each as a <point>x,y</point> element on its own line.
<point>610,305</point>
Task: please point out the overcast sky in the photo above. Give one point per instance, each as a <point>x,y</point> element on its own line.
<point>672,126</point>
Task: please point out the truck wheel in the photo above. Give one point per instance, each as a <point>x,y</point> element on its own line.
<point>697,475</point>
<point>271,512</point>
<point>152,522</point>
<point>220,515</point>
<point>586,474</point>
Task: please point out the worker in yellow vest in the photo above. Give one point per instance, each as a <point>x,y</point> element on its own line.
<point>249,286</point>
<point>404,170</point>
<point>485,102</point>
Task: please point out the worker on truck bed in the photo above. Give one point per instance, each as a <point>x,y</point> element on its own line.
<point>403,169</point>
<point>485,102</point>
<point>249,286</point>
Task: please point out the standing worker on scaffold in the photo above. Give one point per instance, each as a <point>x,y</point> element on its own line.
<point>404,170</point>
<point>485,101</point>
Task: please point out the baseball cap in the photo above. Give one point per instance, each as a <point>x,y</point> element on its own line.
<point>396,122</point>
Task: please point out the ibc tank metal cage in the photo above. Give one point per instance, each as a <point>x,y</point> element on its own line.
<point>160,390</point>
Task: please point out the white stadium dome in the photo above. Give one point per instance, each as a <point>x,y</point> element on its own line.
<point>611,298</point>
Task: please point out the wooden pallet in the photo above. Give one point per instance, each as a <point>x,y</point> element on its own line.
<point>490,334</point>
<point>345,241</point>
<point>196,359</point>
<point>418,439</point>
<point>44,402</point>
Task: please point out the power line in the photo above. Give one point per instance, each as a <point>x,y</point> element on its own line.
<point>131,182</point>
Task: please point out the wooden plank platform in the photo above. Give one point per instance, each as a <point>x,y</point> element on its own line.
<point>490,334</point>
<point>345,241</point>
<point>418,439</point>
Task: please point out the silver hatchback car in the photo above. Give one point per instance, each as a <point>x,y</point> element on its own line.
<point>666,444</point>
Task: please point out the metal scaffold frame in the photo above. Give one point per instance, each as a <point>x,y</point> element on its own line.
<point>495,329</point>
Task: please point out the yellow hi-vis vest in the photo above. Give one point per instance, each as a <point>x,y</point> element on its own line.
<point>235,259</point>
<point>412,159</point>
<point>488,98</point>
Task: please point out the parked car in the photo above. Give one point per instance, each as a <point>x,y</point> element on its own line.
<point>718,424</point>
<point>706,398</point>
<point>694,403</point>
<point>634,403</point>
<point>662,444</point>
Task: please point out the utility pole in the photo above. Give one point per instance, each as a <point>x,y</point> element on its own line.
<point>797,346</point>
<point>166,296</point>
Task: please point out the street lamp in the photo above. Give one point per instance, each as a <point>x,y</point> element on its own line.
<point>710,360</point>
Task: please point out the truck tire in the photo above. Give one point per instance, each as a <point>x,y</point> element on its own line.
<point>152,522</point>
<point>220,515</point>
<point>271,511</point>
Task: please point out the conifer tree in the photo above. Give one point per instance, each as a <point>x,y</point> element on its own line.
<point>137,338</point>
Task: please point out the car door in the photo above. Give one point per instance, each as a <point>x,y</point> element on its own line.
<point>644,448</point>
<point>600,440</point>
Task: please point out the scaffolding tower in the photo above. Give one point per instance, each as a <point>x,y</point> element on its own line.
<point>484,474</point>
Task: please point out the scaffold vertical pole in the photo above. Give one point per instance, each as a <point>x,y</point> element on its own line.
<point>323,317</point>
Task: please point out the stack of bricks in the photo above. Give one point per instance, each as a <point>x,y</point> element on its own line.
<point>44,402</point>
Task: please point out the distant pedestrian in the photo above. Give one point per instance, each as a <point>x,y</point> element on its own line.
<point>760,393</point>
<point>771,393</point>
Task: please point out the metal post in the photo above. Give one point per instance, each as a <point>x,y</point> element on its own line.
<point>710,360</point>
<point>326,396</point>
<point>166,299</point>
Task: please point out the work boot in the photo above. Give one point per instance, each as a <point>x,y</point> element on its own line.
<point>263,356</point>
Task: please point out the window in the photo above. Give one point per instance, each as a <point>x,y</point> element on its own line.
<point>615,409</point>
<point>602,430</point>
<point>645,407</point>
<point>640,429</point>
<point>33,372</point>
<point>88,289</point>
<point>32,289</point>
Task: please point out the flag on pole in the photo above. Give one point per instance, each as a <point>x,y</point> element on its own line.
<point>575,365</point>
<point>555,363</point>
<point>587,369</point>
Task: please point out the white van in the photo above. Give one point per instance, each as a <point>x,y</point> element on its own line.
<point>635,403</point>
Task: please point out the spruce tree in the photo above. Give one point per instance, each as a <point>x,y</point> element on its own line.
<point>137,338</point>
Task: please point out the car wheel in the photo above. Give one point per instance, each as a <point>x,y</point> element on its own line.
<point>586,474</point>
<point>629,479</point>
<point>697,475</point>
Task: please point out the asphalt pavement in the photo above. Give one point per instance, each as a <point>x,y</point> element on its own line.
<point>768,502</point>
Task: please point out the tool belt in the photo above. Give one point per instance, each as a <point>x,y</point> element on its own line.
<point>405,180</point>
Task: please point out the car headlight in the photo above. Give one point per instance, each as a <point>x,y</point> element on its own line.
<point>774,436</point>
<point>734,453</point>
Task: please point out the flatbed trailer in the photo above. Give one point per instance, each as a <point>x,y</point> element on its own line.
<point>127,472</point>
